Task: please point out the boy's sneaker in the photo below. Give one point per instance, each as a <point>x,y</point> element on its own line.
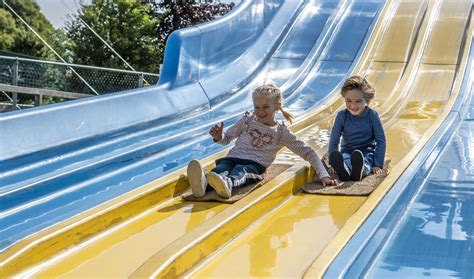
<point>357,162</point>
<point>197,179</point>
<point>221,183</point>
<point>337,162</point>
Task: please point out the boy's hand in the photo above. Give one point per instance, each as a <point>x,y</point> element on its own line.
<point>377,170</point>
<point>216,131</point>
<point>327,181</point>
<point>331,170</point>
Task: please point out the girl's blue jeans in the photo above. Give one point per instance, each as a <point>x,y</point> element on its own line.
<point>241,171</point>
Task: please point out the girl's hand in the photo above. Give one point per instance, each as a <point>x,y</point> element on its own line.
<point>327,181</point>
<point>216,131</point>
<point>377,170</point>
<point>331,170</point>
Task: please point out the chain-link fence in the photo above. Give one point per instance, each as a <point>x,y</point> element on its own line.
<point>25,72</point>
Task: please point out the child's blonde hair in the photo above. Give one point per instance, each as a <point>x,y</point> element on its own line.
<point>361,84</point>
<point>274,93</point>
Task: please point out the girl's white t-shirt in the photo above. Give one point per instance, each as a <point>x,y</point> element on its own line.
<point>260,143</point>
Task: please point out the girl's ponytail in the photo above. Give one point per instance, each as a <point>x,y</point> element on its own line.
<point>288,115</point>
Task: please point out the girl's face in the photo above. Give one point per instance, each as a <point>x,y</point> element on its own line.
<point>355,102</point>
<point>265,109</point>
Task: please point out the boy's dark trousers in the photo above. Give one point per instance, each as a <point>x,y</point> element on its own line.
<point>368,159</point>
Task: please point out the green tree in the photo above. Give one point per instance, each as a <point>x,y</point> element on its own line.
<point>8,29</point>
<point>128,27</point>
<point>15,35</point>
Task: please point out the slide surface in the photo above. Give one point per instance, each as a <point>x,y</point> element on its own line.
<point>414,52</point>
<point>110,146</point>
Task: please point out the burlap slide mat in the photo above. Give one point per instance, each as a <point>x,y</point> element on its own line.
<point>348,188</point>
<point>239,192</point>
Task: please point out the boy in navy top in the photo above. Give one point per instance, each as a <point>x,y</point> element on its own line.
<point>357,144</point>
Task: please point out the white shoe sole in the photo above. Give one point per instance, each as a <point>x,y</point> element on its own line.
<point>219,184</point>
<point>196,179</point>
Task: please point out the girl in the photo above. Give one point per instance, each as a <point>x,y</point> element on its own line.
<point>363,138</point>
<point>259,138</point>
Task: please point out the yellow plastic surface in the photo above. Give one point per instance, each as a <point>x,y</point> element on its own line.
<point>119,252</point>
<point>284,243</point>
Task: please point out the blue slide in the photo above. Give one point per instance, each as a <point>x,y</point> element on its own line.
<point>60,160</point>
<point>424,227</point>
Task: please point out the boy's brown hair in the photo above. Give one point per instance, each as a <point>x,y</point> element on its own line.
<point>361,84</point>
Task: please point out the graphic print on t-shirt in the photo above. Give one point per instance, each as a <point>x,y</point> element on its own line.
<point>259,140</point>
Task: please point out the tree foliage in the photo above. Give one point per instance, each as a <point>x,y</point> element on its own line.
<point>127,26</point>
<point>16,37</point>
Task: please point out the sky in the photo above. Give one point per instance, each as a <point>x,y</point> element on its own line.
<point>56,11</point>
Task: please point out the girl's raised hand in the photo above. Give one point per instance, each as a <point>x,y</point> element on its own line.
<point>216,131</point>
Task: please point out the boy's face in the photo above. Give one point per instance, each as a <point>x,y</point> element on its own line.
<point>265,109</point>
<point>355,102</point>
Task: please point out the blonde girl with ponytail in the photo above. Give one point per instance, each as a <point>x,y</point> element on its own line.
<point>259,138</point>
<point>273,94</point>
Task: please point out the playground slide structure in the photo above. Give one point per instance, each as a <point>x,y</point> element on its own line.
<point>42,189</point>
<point>416,58</point>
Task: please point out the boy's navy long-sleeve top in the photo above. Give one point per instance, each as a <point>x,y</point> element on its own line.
<point>359,132</point>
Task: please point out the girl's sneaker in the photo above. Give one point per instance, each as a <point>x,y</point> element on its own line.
<point>221,183</point>
<point>357,162</point>
<point>197,179</point>
<point>337,162</point>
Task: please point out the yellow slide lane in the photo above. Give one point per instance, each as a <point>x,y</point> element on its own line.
<point>119,251</point>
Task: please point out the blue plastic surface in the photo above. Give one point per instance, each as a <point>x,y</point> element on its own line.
<point>154,131</point>
<point>424,227</point>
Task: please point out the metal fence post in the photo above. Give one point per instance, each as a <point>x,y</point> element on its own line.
<point>38,100</point>
<point>15,83</point>
<point>140,80</point>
